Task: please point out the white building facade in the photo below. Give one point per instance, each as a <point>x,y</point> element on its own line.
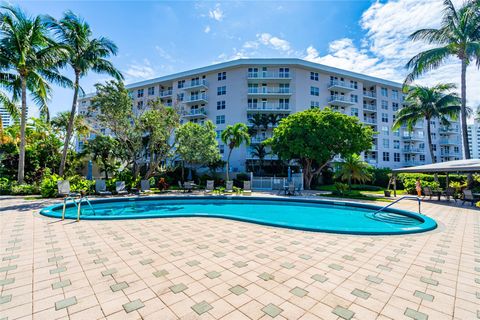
<point>235,91</point>
<point>474,139</point>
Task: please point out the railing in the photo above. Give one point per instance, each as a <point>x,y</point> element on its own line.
<point>194,98</point>
<point>166,93</point>
<point>77,204</point>
<point>449,130</point>
<point>268,106</point>
<point>398,200</point>
<point>341,84</point>
<point>449,141</point>
<point>197,83</point>
<point>418,150</point>
<point>370,107</point>
<point>369,94</point>
<point>340,98</point>
<point>369,120</point>
<point>413,137</point>
<point>200,112</point>
<point>268,75</point>
<point>269,90</point>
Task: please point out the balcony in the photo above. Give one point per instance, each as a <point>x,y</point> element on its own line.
<point>166,93</point>
<point>450,154</point>
<point>197,98</point>
<point>195,113</point>
<point>413,138</point>
<point>369,107</point>
<point>340,100</point>
<point>412,163</point>
<point>269,91</point>
<point>268,76</point>
<point>453,142</point>
<point>268,107</point>
<point>370,120</point>
<point>340,85</point>
<point>374,148</point>
<point>192,85</point>
<point>267,157</point>
<point>449,130</point>
<point>371,161</point>
<point>370,94</point>
<point>413,150</point>
<point>257,140</point>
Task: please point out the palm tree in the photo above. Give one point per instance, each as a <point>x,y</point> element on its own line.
<point>260,152</point>
<point>424,103</point>
<point>458,36</point>
<point>10,107</point>
<point>234,136</point>
<point>353,168</point>
<point>257,121</point>
<point>273,119</point>
<point>29,59</point>
<point>84,54</point>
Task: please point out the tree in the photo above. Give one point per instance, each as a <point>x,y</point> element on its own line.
<point>84,54</point>
<point>80,126</point>
<point>102,149</point>
<point>314,137</point>
<point>353,168</point>
<point>459,37</point>
<point>260,152</point>
<point>29,59</point>
<point>10,107</point>
<point>197,144</point>
<point>234,136</point>
<point>428,103</point>
<point>273,119</point>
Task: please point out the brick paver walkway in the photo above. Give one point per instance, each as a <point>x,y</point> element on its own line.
<point>209,268</point>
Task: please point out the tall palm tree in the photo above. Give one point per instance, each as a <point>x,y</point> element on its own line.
<point>459,37</point>
<point>10,107</point>
<point>234,136</point>
<point>84,54</point>
<point>353,168</point>
<point>260,152</point>
<point>427,103</point>
<point>29,59</point>
<point>273,119</point>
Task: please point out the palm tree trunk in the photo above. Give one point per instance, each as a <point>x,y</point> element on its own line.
<point>463,111</point>
<point>71,120</point>
<point>23,120</point>
<point>429,140</point>
<point>228,163</point>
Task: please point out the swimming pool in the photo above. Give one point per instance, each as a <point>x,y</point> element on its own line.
<point>310,215</point>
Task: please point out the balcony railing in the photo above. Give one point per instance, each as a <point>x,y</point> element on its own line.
<point>449,130</point>
<point>269,90</point>
<point>450,141</point>
<point>413,137</point>
<point>341,84</point>
<point>165,93</point>
<point>195,84</point>
<point>412,163</point>
<point>195,112</point>
<point>195,98</point>
<point>340,98</point>
<point>413,150</point>
<point>369,94</point>
<point>370,120</point>
<point>369,107</point>
<point>268,106</point>
<point>268,75</point>
<point>258,139</point>
<point>450,154</point>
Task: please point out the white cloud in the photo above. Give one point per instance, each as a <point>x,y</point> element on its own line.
<point>268,40</point>
<point>216,13</point>
<point>207,29</point>
<point>139,71</point>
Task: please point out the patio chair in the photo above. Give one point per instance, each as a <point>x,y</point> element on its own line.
<point>187,186</point>
<point>120,187</point>
<point>63,187</point>
<point>291,189</point>
<point>210,187</point>
<point>229,186</point>
<point>145,186</point>
<point>427,192</point>
<point>101,188</point>
<point>247,188</point>
<point>449,192</point>
<point>469,197</point>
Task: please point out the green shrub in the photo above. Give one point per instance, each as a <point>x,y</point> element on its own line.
<point>48,186</point>
<point>380,176</point>
<point>79,184</point>
<point>410,183</point>
<point>340,188</point>
<point>429,178</point>
<point>111,184</point>
<point>5,186</point>
<point>366,187</point>
<point>25,189</point>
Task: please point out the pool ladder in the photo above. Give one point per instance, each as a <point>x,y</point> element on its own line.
<point>78,204</point>
<point>392,217</point>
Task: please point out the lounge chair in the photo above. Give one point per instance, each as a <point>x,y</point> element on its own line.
<point>291,189</point>
<point>229,186</point>
<point>469,197</point>
<point>63,187</point>
<point>449,192</point>
<point>101,188</point>
<point>120,187</point>
<point>187,186</point>
<point>427,192</point>
<point>145,186</point>
<point>210,187</point>
<point>247,188</point>
<point>180,185</point>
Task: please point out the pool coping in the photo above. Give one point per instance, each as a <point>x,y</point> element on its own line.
<point>427,224</point>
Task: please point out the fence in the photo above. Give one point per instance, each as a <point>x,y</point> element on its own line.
<point>276,183</point>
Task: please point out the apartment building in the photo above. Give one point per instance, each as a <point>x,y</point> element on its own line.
<point>234,91</point>
<point>6,118</point>
<point>474,139</point>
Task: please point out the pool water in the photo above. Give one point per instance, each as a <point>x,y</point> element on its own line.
<point>325,216</point>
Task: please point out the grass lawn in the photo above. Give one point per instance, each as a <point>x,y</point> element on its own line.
<point>371,195</point>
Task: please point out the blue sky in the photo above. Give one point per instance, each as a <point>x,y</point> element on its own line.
<point>161,37</point>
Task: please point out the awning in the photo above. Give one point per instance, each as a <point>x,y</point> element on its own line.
<point>460,166</point>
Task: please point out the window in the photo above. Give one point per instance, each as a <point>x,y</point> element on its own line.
<point>314,104</point>
<point>102,131</point>
<point>353,84</point>
<point>221,105</point>
<point>222,76</point>
<point>219,134</point>
<point>140,104</point>
<point>314,91</point>
<point>151,91</point>
<point>181,96</point>
<point>386,156</point>
<point>221,90</point>
<point>384,117</point>
<point>396,157</point>
<point>314,76</point>
<point>220,119</point>
<point>386,143</point>
<point>395,106</point>
<point>181,84</point>
<point>253,72</point>
<point>140,93</point>
<point>284,72</point>
<point>353,98</point>
<point>385,130</point>
<point>396,144</point>
<point>384,92</point>
<point>384,105</point>
<point>395,94</point>
<point>422,157</point>
<point>354,112</point>
<point>433,135</point>
<point>396,133</point>
<point>283,104</point>
<point>222,148</point>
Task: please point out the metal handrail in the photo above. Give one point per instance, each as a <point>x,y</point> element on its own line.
<point>398,200</point>
<point>77,204</point>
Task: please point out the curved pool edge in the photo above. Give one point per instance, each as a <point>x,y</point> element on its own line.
<point>427,223</point>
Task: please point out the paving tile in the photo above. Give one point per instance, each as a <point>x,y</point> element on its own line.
<point>423,295</point>
<point>299,292</point>
<point>193,263</point>
<point>272,310</point>
<point>240,264</point>
<point>100,260</point>
<point>109,272</point>
<point>160,273</point>
<point>55,259</point>
<point>213,274</point>
<point>178,288</point>
<point>146,261</point>
<point>266,276</point>
<point>343,313</point>
<point>58,270</point>
<point>8,268</point>
<point>61,284</point>
<point>416,315</point>
<point>319,278</point>
<point>133,305</point>
<point>65,303</point>
<point>5,299</point>
<point>5,282</point>
<point>429,281</point>
<point>119,286</point>
<point>287,265</point>
<point>202,307</point>
<point>361,294</point>
<point>335,266</point>
<point>238,290</point>
<point>374,279</point>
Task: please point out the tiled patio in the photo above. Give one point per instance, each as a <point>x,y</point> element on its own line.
<point>189,268</point>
